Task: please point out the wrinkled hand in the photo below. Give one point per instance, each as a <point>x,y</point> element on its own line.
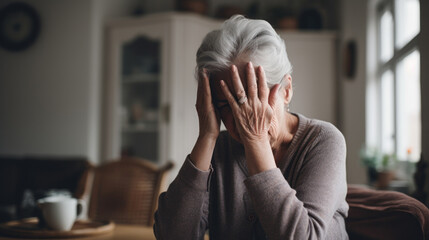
<point>208,117</point>
<point>253,117</point>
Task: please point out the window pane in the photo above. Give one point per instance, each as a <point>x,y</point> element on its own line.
<point>387,113</point>
<point>408,107</point>
<point>407,21</point>
<point>386,36</point>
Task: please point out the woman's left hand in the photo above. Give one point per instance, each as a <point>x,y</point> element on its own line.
<point>253,110</point>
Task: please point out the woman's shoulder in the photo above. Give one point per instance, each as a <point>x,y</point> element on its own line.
<point>319,129</point>
<point>321,138</point>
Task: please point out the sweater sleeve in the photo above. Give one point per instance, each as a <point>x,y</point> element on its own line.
<point>183,209</point>
<point>306,211</point>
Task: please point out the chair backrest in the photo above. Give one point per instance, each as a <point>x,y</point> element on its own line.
<point>126,191</point>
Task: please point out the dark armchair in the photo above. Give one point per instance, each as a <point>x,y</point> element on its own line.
<point>376,214</point>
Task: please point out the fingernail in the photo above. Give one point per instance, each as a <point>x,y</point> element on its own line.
<point>250,65</point>
<point>222,83</point>
<point>233,68</point>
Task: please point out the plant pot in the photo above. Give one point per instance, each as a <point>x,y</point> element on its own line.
<point>384,178</point>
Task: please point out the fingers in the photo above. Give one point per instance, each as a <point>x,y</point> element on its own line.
<point>200,87</point>
<point>256,86</point>
<point>204,91</point>
<point>206,86</point>
<point>252,89</point>
<point>263,90</point>
<point>228,95</point>
<point>204,96</point>
<point>236,83</point>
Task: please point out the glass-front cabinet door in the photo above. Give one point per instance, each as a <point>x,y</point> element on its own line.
<point>136,103</point>
<point>140,97</point>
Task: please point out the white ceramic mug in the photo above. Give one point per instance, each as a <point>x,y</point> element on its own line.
<point>60,212</point>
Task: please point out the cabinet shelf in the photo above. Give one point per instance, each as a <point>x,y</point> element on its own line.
<point>141,78</point>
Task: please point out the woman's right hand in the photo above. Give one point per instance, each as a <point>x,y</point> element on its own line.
<point>209,125</point>
<point>208,117</point>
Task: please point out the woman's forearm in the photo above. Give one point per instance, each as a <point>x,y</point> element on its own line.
<point>202,152</point>
<point>183,210</point>
<point>259,157</point>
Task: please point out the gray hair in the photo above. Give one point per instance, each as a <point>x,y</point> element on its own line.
<point>241,39</point>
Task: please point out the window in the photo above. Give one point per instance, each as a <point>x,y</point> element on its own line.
<point>398,79</point>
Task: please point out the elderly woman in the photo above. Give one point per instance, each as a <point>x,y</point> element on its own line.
<point>274,174</point>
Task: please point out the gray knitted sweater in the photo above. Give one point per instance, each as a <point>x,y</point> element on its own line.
<point>304,198</point>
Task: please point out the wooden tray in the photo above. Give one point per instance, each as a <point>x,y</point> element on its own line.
<point>28,228</point>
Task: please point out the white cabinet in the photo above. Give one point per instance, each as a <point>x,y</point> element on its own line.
<point>150,89</point>
<point>313,56</point>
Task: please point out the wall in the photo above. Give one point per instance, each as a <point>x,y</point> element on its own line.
<point>43,90</point>
<point>313,57</point>
<point>352,91</point>
<point>49,93</point>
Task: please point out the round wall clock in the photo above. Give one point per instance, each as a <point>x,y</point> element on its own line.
<point>19,26</point>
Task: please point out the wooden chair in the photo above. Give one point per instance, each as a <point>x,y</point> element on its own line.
<point>126,191</point>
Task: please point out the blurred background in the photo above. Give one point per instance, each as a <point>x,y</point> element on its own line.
<point>104,79</point>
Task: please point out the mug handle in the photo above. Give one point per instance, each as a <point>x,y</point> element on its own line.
<point>81,208</point>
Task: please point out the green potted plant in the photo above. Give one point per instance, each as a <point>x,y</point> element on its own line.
<point>380,166</point>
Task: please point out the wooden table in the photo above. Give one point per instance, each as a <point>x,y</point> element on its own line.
<point>129,232</point>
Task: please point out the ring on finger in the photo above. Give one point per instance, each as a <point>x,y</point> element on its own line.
<point>242,100</point>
